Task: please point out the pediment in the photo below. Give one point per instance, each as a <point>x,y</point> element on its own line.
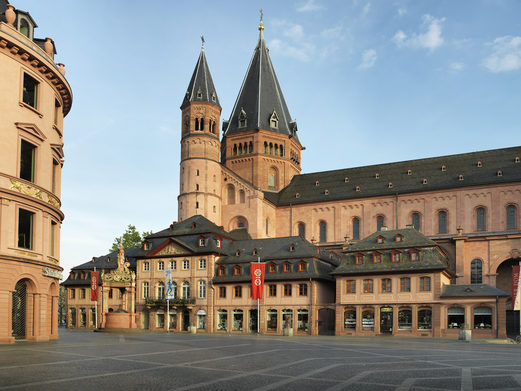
<point>32,129</point>
<point>170,247</point>
<point>58,149</point>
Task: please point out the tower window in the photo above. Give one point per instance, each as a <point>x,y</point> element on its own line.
<point>274,120</point>
<point>242,119</point>
<point>213,97</point>
<point>25,229</point>
<point>27,160</point>
<point>30,91</point>
<point>199,94</point>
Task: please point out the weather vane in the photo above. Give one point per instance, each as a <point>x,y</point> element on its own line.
<point>261,14</point>
<point>202,41</point>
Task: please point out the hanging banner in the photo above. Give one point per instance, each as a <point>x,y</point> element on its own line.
<point>515,287</point>
<point>257,279</point>
<point>94,279</point>
<point>169,284</point>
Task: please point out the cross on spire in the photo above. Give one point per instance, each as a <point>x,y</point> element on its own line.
<point>261,26</point>
<point>202,42</point>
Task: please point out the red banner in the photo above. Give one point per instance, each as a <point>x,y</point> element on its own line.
<point>515,283</point>
<point>257,279</point>
<point>94,278</point>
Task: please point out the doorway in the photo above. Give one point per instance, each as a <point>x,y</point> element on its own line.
<point>326,321</point>
<point>19,310</point>
<point>186,320</point>
<point>386,320</point>
<point>253,321</point>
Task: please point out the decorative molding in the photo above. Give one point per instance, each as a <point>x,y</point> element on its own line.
<point>32,129</point>
<point>26,189</point>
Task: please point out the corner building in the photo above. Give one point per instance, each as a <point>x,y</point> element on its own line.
<point>34,99</point>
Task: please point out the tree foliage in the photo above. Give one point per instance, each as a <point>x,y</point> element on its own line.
<point>131,238</point>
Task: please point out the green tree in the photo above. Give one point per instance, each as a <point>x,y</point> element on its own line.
<point>131,238</point>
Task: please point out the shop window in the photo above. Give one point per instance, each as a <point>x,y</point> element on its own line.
<point>237,320</point>
<point>72,317</point>
<point>303,289</point>
<point>455,317</point>
<point>287,318</point>
<point>287,289</point>
<point>424,319</point>
<point>271,320</point>
<point>30,91</point>
<point>303,321</point>
<point>405,284</point>
<point>511,217</point>
<point>27,160</point>
<point>351,286</point>
<point>356,228</point>
<point>482,318</point>
<point>442,222</point>
<point>386,285</point>
<point>368,286</point>
<point>368,320</point>
<point>25,229</point>
<point>425,284</point>
<point>83,317</point>
<point>237,291</point>
<point>476,271</point>
<point>222,292</point>
<point>349,319</point>
<point>272,289</point>
<point>405,319</point>
<point>222,320</point>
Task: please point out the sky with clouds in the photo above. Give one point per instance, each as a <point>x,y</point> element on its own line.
<point>367,81</point>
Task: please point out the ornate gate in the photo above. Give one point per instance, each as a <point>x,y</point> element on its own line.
<point>19,309</point>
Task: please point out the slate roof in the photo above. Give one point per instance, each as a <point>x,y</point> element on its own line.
<point>196,224</point>
<point>430,257</point>
<point>341,184</point>
<point>3,8</point>
<point>260,96</point>
<point>201,88</point>
<point>471,290</point>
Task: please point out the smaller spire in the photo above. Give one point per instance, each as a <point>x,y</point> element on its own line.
<point>202,42</point>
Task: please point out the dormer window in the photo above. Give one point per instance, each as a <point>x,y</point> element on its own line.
<point>218,242</point>
<point>479,164</point>
<point>409,172</point>
<point>302,266</point>
<point>274,120</point>
<point>377,257</point>
<point>390,185</point>
<point>199,94</point>
<point>213,97</point>
<point>317,183</point>
<point>221,271</point>
<point>291,247</point>
<point>237,270</point>
<point>357,188</point>
<point>380,239</point>
<point>254,252</point>
<point>460,177</point>
<point>297,195</point>
<point>517,159</point>
<point>25,24</point>
<point>286,268</point>
<point>346,179</point>
<point>395,257</point>
<point>377,176</point>
<point>398,238</point>
<point>272,268</point>
<point>359,259</point>
<point>424,181</point>
<point>326,192</point>
<point>147,245</point>
<point>444,168</point>
<point>415,255</point>
<point>237,253</point>
<point>242,119</point>
<point>202,242</point>
<point>499,173</point>
<point>193,225</point>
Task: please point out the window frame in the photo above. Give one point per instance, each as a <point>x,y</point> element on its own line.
<point>30,230</point>
<point>287,290</point>
<point>303,289</point>
<point>237,291</point>
<point>424,284</point>
<point>368,286</point>
<point>32,102</point>
<point>405,284</point>
<point>350,286</point>
<point>146,266</point>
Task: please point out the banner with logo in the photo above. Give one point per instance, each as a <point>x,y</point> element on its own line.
<point>257,279</point>
<point>94,279</point>
<point>169,284</point>
<point>515,287</point>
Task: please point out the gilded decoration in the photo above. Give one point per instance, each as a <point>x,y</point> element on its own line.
<point>122,273</point>
<point>26,189</point>
<point>171,250</point>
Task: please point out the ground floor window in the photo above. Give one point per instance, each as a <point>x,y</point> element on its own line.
<point>271,320</point>
<point>83,317</point>
<point>173,320</point>
<point>302,320</point>
<point>425,319</point>
<point>405,319</point>
<point>160,321</point>
<point>237,320</point>
<point>350,319</point>
<point>455,317</point>
<point>93,317</point>
<point>287,318</point>
<point>72,317</point>
<point>222,320</point>
<point>482,318</point>
<point>368,320</point>
<point>201,321</point>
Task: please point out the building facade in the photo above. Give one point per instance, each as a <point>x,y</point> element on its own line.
<point>34,99</point>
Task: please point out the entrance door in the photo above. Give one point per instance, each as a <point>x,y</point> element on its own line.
<point>18,310</point>
<point>253,321</point>
<point>186,320</point>
<point>512,323</point>
<point>326,321</point>
<point>386,320</point>
<point>146,320</point>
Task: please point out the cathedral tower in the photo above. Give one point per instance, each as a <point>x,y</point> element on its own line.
<point>200,175</point>
<point>260,140</point>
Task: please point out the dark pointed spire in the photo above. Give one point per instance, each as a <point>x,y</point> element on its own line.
<point>201,88</point>
<point>260,103</point>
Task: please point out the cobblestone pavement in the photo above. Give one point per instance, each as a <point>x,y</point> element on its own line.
<point>84,360</point>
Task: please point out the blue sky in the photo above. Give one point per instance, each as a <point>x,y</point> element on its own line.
<point>367,81</point>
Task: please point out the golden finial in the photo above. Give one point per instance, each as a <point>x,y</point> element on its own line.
<point>261,26</point>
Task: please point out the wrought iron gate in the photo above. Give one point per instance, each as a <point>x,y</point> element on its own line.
<point>19,309</point>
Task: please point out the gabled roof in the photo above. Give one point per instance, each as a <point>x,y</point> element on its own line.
<point>261,97</point>
<point>471,290</point>
<point>201,88</point>
<point>497,166</point>
<point>410,238</point>
<point>196,224</point>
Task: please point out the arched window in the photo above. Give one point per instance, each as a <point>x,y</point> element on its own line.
<point>240,149</point>
<point>442,222</point>
<point>197,124</point>
<point>482,318</point>
<point>416,221</point>
<point>186,290</point>
<point>242,196</point>
<point>24,28</point>
<point>250,147</point>
<point>273,178</point>
<point>234,149</point>
<point>245,148</point>
<point>380,222</point>
<point>160,290</point>
<point>405,319</point>
<point>455,317</point>
<point>323,231</point>
<point>350,319</point>
<point>202,289</point>
<point>276,149</point>
<point>281,150</point>
<point>202,124</point>
<point>368,320</point>
<point>302,230</point>
<point>476,271</point>
<point>425,318</point>
<point>265,147</point>
<point>213,127</point>
<point>231,194</point>
<point>511,217</point>
<point>356,228</point>
<point>271,148</point>
<point>480,219</point>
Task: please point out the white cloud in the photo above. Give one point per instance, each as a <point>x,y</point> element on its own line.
<point>402,11</point>
<point>295,32</point>
<point>333,32</point>
<point>303,52</point>
<point>457,66</point>
<point>506,55</point>
<point>309,6</point>
<point>368,59</point>
<point>430,37</point>
<point>366,9</point>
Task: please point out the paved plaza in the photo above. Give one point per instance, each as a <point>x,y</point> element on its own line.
<point>84,360</point>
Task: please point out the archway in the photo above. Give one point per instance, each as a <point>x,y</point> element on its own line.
<point>238,222</point>
<point>504,282</point>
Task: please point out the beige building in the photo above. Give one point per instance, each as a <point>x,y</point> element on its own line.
<point>34,98</point>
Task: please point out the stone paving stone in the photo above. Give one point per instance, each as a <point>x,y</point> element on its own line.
<point>496,382</point>
<point>449,383</point>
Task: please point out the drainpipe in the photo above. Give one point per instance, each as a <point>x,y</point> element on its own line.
<point>497,318</point>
